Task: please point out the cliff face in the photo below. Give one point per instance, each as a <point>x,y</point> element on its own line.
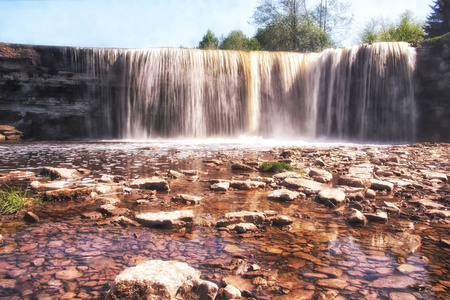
<point>47,95</point>
<point>41,94</point>
<point>432,90</point>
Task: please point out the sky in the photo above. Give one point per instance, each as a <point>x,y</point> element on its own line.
<point>156,23</point>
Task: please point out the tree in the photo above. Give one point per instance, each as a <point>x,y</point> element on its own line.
<point>237,40</point>
<point>286,25</point>
<point>334,17</point>
<point>438,22</point>
<point>209,41</point>
<point>406,30</point>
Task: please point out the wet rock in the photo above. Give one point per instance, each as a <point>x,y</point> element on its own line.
<point>331,197</point>
<point>380,185</point>
<point>60,173</point>
<point>404,243</point>
<point>31,217</point>
<point>247,185</point>
<point>93,215</point>
<point>173,219</point>
<point>333,272</point>
<point>407,269</point>
<point>380,216</point>
<point>283,195</point>
<point>67,194</point>
<point>393,282</point>
<point>112,210</point>
<point>320,175</point>
<point>2,241</point>
<point>444,242</point>
<point>356,217</point>
<point>154,279</point>
<point>242,217</point>
<point>304,185</point>
<point>281,220</point>
<point>332,283</point>
<point>124,221</point>
<point>174,174</point>
<point>231,292</point>
<point>245,227</point>
<point>401,296</point>
<point>354,182</point>
<point>242,167</point>
<point>187,199</point>
<point>154,183</point>
<point>284,175</point>
<point>391,207</point>
<point>220,186</point>
<point>109,188</point>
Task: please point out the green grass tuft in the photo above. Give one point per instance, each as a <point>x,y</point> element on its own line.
<point>12,200</point>
<point>275,167</point>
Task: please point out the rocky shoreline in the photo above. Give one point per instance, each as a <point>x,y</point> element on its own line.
<point>350,222</point>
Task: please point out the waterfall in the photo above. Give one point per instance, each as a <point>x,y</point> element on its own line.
<point>361,93</point>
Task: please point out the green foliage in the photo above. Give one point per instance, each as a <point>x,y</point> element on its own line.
<point>12,200</point>
<point>275,167</point>
<point>406,30</point>
<point>438,22</point>
<point>209,41</point>
<point>237,40</point>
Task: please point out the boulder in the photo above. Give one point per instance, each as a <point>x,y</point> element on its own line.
<point>231,292</point>
<point>283,195</point>
<point>172,219</point>
<point>304,185</point>
<point>153,183</point>
<point>187,199</point>
<point>242,217</point>
<point>157,279</point>
<point>331,197</point>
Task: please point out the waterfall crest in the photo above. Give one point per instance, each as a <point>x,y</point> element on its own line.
<point>362,93</point>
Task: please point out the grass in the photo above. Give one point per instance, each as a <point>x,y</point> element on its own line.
<point>12,200</point>
<point>275,167</point>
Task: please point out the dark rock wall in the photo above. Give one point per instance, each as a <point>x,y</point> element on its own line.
<point>44,95</point>
<point>432,90</point>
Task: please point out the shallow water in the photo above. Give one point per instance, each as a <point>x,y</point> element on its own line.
<point>67,256</point>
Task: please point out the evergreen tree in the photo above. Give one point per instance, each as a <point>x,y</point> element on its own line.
<point>438,22</point>
<point>209,41</point>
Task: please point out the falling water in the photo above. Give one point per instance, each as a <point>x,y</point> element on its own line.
<point>359,93</point>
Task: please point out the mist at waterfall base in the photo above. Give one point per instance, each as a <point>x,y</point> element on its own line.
<point>359,94</point>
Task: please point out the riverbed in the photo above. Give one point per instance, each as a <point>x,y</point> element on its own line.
<point>71,254</point>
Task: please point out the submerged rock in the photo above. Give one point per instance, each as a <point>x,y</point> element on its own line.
<point>187,199</point>
<point>242,217</point>
<point>393,282</point>
<point>60,173</point>
<point>172,219</point>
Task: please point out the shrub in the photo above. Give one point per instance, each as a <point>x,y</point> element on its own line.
<point>275,167</point>
<point>12,200</point>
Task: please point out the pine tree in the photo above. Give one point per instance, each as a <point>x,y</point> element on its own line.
<point>438,22</point>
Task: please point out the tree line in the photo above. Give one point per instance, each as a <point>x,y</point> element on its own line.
<point>291,25</point>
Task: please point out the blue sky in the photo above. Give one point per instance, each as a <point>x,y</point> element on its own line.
<point>155,23</point>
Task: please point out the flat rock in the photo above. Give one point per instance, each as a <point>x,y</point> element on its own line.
<point>380,216</point>
<point>245,227</point>
<point>393,282</point>
<point>401,296</point>
<point>361,171</point>
<point>332,283</point>
<point>220,186</point>
<point>242,217</point>
<point>331,197</point>
<point>353,181</point>
<point>242,167</point>
<point>320,175</point>
<point>154,183</point>
<point>247,185</point>
<point>284,175</point>
<point>155,279</point>
<point>283,195</point>
<point>435,175</point>
<point>187,199</point>
<point>60,173</point>
<point>166,219</point>
<point>304,185</point>
<point>334,272</point>
<point>380,185</point>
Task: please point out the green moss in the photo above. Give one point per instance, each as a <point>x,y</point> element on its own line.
<point>275,167</point>
<point>12,200</point>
